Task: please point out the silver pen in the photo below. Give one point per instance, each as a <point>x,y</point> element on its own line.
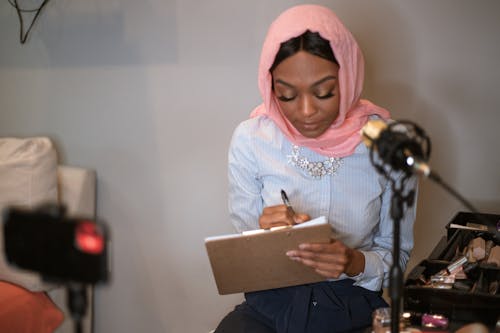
<point>284,197</point>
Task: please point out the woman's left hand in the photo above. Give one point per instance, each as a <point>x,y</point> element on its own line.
<point>329,259</point>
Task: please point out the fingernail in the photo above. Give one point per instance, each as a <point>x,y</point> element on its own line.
<point>290,253</point>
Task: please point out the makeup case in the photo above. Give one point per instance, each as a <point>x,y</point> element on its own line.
<point>452,281</point>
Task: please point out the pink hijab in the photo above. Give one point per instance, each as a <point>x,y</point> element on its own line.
<point>343,135</point>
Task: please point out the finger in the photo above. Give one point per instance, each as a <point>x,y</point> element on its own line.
<point>272,223</point>
<point>301,218</point>
<point>320,257</point>
<point>326,269</point>
<point>275,216</point>
<point>332,247</point>
<point>316,257</point>
<point>291,216</point>
<point>280,215</point>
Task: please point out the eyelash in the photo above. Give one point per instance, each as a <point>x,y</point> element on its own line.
<point>286,99</point>
<point>329,95</point>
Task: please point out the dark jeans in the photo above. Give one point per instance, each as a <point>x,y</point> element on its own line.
<point>324,307</point>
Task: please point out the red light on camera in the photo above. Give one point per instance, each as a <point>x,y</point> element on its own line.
<point>89,238</point>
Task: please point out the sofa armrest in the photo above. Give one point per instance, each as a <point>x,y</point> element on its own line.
<point>77,190</point>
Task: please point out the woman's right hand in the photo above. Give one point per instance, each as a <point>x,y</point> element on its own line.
<point>280,215</point>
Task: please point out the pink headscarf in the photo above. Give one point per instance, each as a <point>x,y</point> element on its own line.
<point>342,137</point>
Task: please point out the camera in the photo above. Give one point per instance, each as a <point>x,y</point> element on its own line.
<point>61,249</point>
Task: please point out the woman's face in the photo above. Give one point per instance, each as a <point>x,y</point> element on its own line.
<point>306,88</point>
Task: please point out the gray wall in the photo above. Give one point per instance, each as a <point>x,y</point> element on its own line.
<point>148,93</point>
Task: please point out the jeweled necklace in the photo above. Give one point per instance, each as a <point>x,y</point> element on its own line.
<point>314,169</point>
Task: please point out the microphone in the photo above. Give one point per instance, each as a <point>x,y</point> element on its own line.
<point>404,146</point>
<point>400,144</point>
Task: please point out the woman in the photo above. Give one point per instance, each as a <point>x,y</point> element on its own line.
<point>305,139</point>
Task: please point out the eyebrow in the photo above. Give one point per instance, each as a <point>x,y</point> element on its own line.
<point>326,78</point>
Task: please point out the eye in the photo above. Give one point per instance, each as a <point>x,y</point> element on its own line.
<point>326,96</point>
<point>286,99</point>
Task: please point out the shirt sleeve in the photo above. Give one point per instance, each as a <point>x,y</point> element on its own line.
<point>378,260</point>
<point>245,202</point>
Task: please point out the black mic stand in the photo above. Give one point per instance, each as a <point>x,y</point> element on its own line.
<point>398,201</point>
<point>392,146</point>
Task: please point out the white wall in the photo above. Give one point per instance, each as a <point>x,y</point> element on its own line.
<point>148,93</point>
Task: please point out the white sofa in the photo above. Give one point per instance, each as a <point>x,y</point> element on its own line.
<point>29,175</point>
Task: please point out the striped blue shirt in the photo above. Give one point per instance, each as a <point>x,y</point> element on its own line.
<point>355,200</point>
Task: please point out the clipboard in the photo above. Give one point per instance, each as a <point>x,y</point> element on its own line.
<point>256,260</point>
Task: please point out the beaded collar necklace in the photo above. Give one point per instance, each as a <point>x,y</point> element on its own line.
<point>315,169</point>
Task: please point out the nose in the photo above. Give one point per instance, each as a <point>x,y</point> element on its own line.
<point>307,107</point>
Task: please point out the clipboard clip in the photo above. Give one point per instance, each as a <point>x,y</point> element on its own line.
<point>259,231</point>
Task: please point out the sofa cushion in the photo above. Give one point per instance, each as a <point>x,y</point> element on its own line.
<point>28,177</point>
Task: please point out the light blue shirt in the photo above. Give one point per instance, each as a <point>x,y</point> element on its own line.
<point>355,200</point>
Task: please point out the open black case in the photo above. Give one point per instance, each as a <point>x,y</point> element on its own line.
<point>472,300</point>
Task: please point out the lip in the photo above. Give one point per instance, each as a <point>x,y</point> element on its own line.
<point>310,130</point>
<point>309,126</point>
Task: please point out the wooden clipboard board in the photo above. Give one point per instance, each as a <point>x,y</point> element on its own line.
<point>256,260</point>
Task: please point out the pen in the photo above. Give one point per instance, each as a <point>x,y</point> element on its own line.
<point>284,197</point>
